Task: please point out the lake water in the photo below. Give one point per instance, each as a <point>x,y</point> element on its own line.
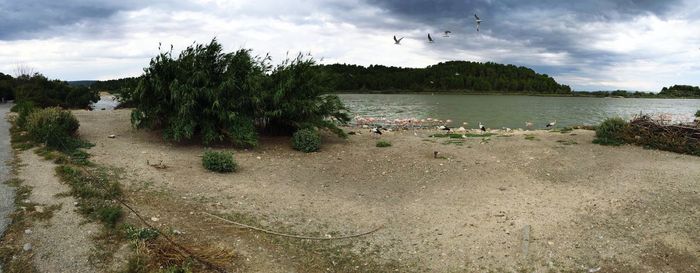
<point>6,193</point>
<point>513,111</point>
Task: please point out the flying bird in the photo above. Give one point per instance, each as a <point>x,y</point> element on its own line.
<point>447,33</point>
<point>397,41</point>
<point>478,22</point>
<point>551,124</point>
<point>430,39</point>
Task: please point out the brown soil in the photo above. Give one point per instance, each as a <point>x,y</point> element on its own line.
<point>623,209</point>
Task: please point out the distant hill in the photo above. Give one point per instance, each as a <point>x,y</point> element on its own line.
<point>453,76</point>
<point>680,91</point>
<point>85,83</point>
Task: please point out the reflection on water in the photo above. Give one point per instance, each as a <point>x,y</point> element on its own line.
<point>513,111</point>
<point>106,102</point>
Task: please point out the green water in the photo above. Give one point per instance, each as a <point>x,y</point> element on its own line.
<point>513,111</point>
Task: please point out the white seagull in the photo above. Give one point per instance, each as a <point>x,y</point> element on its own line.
<point>447,33</point>
<point>397,41</point>
<point>430,39</point>
<point>478,22</point>
<point>482,127</point>
<point>377,131</point>
<point>551,124</point>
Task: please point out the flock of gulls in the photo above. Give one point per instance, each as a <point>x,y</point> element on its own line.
<point>376,129</point>
<point>446,33</point>
<point>377,125</point>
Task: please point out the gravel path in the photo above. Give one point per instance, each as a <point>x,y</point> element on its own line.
<point>63,243</point>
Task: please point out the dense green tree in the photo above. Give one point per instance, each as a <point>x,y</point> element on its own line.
<point>216,96</point>
<point>43,92</point>
<point>6,87</point>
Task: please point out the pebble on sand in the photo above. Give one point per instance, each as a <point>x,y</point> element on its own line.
<point>27,247</point>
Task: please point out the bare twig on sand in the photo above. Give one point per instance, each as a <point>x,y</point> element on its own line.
<point>291,235</point>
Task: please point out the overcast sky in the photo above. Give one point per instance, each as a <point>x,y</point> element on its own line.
<point>589,45</point>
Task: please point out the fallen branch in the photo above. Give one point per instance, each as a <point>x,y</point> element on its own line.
<point>292,235</point>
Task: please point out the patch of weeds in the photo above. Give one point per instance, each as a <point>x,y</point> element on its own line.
<point>455,142</point>
<point>567,142</point>
<point>531,137</point>
<point>19,139</point>
<point>383,143</point>
<point>141,234</point>
<point>96,194</point>
<point>47,212</point>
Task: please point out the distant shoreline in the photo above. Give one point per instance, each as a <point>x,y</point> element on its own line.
<point>405,92</point>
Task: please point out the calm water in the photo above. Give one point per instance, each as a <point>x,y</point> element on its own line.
<point>6,193</point>
<point>513,111</point>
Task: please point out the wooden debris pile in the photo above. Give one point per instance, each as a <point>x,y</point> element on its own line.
<point>646,131</point>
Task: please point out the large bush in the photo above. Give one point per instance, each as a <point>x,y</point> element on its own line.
<point>53,127</point>
<point>611,132</point>
<point>296,98</point>
<point>202,93</point>
<point>215,96</point>
<point>222,162</point>
<point>306,140</point>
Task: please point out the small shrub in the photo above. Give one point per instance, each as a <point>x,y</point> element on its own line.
<point>697,114</point>
<point>221,162</point>
<point>53,127</point>
<point>383,143</point>
<point>306,140</point>
<point>109,215</point>
<point>611,132</point>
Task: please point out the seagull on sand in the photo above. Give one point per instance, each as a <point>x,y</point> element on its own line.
<point>478,22</point>
<point>447,33</point>
<point>377,131</point>
<point>397,41</point>
<point>482,127</point>
<point>430,39</point>
<point>551,124</point>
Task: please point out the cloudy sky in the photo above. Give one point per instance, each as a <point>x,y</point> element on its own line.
<point>590,45</point>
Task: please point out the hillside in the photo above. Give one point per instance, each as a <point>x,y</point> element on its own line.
<point>447,76</point>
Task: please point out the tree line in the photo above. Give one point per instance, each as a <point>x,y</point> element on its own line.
<point>462,76</point>
<point>41,91</point>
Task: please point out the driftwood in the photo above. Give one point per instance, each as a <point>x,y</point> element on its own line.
<point>291,235</point>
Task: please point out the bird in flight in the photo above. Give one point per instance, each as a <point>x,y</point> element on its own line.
<point>397,41</point>
<point>430,39</point>
<point>478,22</point>
<point>447,33</point>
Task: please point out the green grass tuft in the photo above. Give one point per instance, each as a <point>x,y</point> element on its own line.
<point>383,144</point>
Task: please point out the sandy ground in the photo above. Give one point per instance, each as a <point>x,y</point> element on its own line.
<point>64,242</point>
<point>620,209</point>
